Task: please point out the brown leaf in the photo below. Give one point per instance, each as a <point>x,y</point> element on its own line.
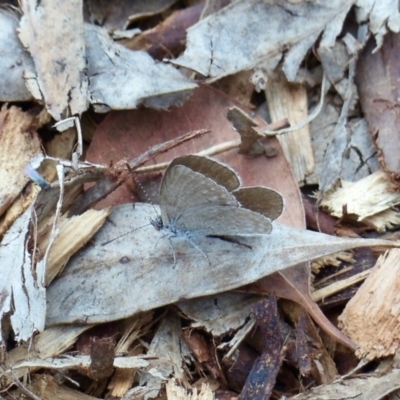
<point>127,134</point>
<point>168,38</point>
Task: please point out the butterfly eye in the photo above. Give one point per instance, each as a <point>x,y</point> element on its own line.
<point>157,223</point>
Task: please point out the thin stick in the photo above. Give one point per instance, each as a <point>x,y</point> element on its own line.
<point>302,124</point>
<point>213,150</point>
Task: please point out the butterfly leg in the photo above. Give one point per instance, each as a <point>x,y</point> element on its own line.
<point>160,237</point>
<point>168,236</point>
<point>199,249</point>
<point>172,248</point>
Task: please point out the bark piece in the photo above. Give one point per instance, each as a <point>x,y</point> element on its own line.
<point>261,379</point>
<point>47,388</point>
<point>205,353</point>
<point>18,138</point>
<point>335,151</point>
<point>311,355</point>
<point>49,343</point>
<point>367,199</point>
<point>289,101</point>
<point>21,281</point>
<point>176,392</point>
<point>166,345</point>
<point>73,234</point>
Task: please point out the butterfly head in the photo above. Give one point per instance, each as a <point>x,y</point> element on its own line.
<point>157,223</point>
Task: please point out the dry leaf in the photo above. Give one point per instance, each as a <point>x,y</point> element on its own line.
<point>129,134</point>
<point>363,388</point>
<point>52,32</point>
<point>257,36</point>
<point>131,263</point>
<point>13,61</point>
<point>123,79</point>
<point>219,314</point>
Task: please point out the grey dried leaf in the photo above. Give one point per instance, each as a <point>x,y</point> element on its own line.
<point>128,275</point>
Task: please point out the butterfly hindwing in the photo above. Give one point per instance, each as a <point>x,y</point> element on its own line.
<point>222,221</point>
<point>261,200</point>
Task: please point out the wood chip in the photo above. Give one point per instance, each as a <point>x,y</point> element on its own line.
<point>371,317</point>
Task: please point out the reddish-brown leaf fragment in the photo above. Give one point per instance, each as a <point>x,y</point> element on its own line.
<point>168,38</point>
<point>128,134</point>
<point>316,219</point>
<point>378,81</point>
<point>204,353</point>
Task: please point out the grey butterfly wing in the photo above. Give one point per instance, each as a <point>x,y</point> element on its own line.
<point>261,200</point>
<point>218,172</point>
<point>221,221</point>
<point>183,190</point>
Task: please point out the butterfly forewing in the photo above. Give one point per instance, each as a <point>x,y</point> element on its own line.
<point>219,173</point>
<point>184,190</point>
<point>221,221</point>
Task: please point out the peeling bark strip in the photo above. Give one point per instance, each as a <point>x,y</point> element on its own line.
<point>19,142</point>
<point>21,282</point>
<point>261,379</point>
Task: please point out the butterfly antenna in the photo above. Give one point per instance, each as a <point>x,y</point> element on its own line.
<point>142,189</point>
<point>124,234</point>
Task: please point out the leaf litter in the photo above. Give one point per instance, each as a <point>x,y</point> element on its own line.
<point>112,308</point>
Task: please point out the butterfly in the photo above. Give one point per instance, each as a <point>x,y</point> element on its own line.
<point>202,197</point>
